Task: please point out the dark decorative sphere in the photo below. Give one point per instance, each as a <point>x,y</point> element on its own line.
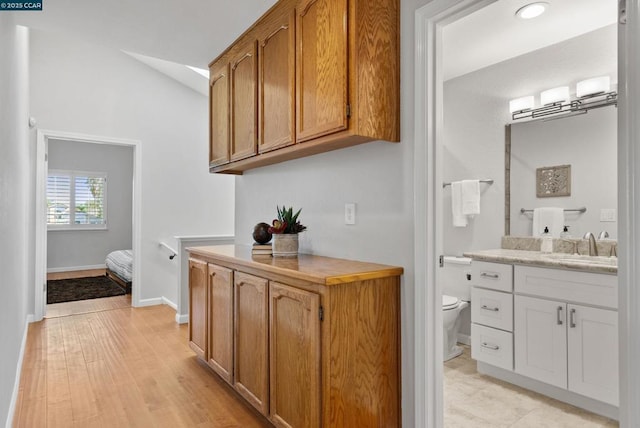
<point>261,233</point>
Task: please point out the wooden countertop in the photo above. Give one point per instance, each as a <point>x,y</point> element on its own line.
<point>317,269</point>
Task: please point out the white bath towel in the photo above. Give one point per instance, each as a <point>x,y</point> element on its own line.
<point>470,197</point>
<point>459,219</point>
<point>551,217</point>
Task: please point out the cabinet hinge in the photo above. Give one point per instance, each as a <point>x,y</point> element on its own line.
<point>348,110</point>
<point>321,313</point>
<point>441,260</point>
<point>622,11</point>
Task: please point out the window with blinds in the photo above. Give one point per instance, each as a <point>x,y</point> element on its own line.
<point>76,200</point>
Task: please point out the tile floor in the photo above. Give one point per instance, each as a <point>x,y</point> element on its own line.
<point>472,400</point>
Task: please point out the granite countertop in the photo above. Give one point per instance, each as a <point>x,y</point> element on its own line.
<point>536,258</point>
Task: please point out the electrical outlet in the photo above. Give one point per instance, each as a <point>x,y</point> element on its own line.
<point>350,213</point>
<point>608,215</point>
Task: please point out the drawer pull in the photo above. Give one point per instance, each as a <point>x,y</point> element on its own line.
<point>490,346</point>
<point>559,315</point>
<point>572,320</point>
<point>490,275</point>
<point>487,308</point>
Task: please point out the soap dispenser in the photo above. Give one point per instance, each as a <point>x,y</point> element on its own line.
<point>565,232</point>
<point>546,245</point>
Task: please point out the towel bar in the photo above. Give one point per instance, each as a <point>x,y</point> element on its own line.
<point>484,180</point>
<point>579,210</point>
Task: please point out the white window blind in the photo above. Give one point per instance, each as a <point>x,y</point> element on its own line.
<point>76,200</point>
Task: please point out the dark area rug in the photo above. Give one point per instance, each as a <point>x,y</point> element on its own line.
<point>70,290</point>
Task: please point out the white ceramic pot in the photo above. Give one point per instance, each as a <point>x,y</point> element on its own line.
<point>285,245</point>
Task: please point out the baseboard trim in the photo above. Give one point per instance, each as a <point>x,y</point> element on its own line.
<point>182,319</point>
<point>16,383</point>
<point>168,302</point>
<point>150,302</point>
<point>465,339</point>
<point>75,268</point>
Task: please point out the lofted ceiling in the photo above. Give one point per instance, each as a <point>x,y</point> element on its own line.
<point>193,32</point>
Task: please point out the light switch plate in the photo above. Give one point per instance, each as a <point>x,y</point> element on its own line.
<point>350,213</point>
<point>608,215</point>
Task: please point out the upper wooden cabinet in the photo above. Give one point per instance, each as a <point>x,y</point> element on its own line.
<point>321,65</point>
<point>276,80</point>
<point>219,112</point>
<point>244,109</point>
<point>327,77</point>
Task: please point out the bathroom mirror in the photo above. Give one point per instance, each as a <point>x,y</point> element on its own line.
<point>586,142</point>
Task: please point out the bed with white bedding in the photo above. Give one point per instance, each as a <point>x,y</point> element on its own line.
<point>120,268</point>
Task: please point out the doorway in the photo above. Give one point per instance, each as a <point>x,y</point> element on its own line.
<point>430,21</point>
<point>44,139</point>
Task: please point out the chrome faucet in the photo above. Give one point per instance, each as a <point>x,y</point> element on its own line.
<point>593,248</point>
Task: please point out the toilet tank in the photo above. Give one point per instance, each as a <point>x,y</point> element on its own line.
<point>454,277</point>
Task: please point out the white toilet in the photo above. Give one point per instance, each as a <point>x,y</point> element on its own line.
<point>456,295</point>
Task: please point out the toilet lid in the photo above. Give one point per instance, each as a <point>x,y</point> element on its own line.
<point>449,302</point>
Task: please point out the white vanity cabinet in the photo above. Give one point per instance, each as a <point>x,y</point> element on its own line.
<point>492,313</point>
<point>566,330</point>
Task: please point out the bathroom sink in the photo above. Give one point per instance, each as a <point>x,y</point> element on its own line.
<point>579,258</point>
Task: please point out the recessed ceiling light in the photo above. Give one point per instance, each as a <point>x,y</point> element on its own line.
<point>532,10</point>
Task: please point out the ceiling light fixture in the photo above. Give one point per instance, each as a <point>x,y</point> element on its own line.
<point>532,10</point>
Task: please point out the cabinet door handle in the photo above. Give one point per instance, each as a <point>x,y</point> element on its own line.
<point>560,315</point>
<point>487,308</point>
<point>490,275</point>
<point>490,346</point>
<point>572,319</point>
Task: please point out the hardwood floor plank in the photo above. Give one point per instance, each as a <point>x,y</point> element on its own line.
<point>129,367</point>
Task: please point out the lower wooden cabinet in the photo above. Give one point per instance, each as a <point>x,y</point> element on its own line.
<point>251,340</point>
<point>198,307</point>
<point>294,338</point>
<point>220,317</point>
<point>313,342</point>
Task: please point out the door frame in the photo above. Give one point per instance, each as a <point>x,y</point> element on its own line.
<point>42,146</point>
<point>428,126</point>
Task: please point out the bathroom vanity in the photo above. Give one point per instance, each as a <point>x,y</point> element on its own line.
<point>549,323</point>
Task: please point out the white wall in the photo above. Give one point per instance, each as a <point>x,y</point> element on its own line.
<point>16,218</point>
<point>588,143</point>
<point>476,112</point>
<point>90,89</point>
<point>77,248</point>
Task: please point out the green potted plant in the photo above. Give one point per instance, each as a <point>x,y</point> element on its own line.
<point>285,231</point>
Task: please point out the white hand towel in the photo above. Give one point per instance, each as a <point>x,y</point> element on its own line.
<point>459,219</point>
<point>470,197</point>
<point>551,217</point>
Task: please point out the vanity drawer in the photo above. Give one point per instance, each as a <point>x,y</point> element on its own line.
<point>492,346</point>
<point>570,286</point>
<point>492,308</point>
<point>495,276</point>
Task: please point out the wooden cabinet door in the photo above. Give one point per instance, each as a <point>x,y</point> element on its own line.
<point>219,112</point>
<point>244,105</point>
<point>294,330</point>
<point>221,321</point>
<point>251,371</point>
<point>592,337</point>
<point>321,68</point>
<point>276,79</point>
<point>198,307</point>
<point>540,341</point>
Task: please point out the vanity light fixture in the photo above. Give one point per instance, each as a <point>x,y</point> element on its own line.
<point>521,104</point>
<point>590,94</point>
<point>532,10</point>
<point>593,86</point>
<point>555,95</point>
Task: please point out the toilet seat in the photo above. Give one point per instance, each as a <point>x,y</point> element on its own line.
<point>449,302</point>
